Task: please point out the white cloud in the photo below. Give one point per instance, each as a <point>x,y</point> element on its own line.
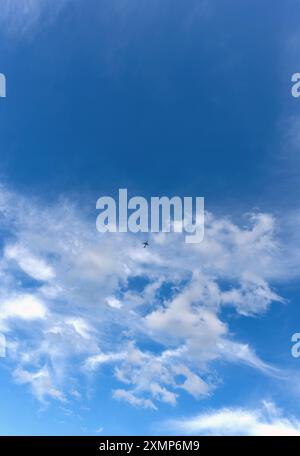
<point>265,421</point>
<point>26,307</point>
<point>113,302</point>
<point>129,397</point>
<point>152,376</point>
<point>80,326</point>
<point>93,362</point>
<point>2,346</point>
<point>36,268</point>
<point>96,314</point>
<point>196,324</point>
<point>243,353</point>
<point>40,382</point>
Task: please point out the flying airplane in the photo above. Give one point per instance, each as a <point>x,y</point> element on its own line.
<point>146,244</point>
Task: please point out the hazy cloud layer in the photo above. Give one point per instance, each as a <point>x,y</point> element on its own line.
<point>20,16</point>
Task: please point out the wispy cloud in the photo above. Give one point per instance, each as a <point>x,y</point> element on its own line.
<point>264,421</point>
<point>40,382</point>
<point>21,16</point>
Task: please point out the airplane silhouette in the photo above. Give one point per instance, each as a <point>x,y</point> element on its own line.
<point>146,244</point>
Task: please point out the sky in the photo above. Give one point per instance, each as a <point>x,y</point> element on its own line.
<point>164,98</point>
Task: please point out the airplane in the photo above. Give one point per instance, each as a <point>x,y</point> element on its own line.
<point>146,244</point>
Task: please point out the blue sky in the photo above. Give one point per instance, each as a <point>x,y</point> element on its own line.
<point>189,98</point>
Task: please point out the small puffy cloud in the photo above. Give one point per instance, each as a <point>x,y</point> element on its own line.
<point>36,268</point>
<point>150,375</point>
<point>93,362</point>
<point>162,394</point>
<point>40,382</point>
<point>264,421</point>
<point>192,383</point>
<point>113,302</point>
<point>132,399</point>
<point>25,307</point>
<point>196,324</point>
<point>80,326</point>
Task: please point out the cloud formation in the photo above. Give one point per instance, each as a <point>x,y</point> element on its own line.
<point>267,420</point>
<point>84,300</point>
